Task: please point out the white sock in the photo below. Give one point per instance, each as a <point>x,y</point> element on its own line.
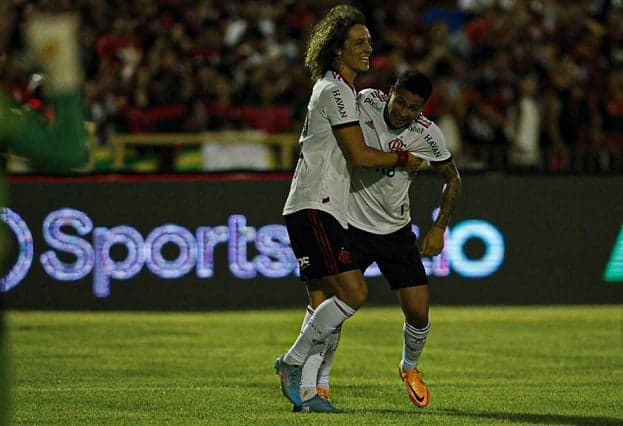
<point>310,368</point>
<point>328,316</point>
<point>413,345</point>
<point>309,311</point>
<point>310,371</point>
<point>329,355</point>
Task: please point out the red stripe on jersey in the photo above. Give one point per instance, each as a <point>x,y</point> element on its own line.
<point>425,122</point>
<point>338,76</point>
<point>323,241</point>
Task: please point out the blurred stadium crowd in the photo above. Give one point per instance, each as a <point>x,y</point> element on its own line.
<point>530,85</point>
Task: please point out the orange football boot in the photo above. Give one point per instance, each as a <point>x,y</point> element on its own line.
<point>416,388</point>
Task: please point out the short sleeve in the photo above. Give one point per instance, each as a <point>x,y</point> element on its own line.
<point>339,104</point>
<point>434,147</point>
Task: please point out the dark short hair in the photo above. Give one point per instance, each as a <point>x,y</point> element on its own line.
<point>415,82</point>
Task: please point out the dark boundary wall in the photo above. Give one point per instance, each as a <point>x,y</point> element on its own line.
<point>559,233</point>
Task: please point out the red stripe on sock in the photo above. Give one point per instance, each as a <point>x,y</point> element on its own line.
<point>341,308</point>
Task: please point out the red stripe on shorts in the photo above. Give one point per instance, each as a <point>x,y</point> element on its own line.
<point>323,241</point>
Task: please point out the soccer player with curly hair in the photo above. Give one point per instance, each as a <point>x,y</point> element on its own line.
<point>315,211</point>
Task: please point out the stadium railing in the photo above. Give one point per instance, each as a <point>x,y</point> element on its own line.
<point>285,143</point>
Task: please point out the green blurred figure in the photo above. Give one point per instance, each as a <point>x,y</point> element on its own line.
<point>57,145</point>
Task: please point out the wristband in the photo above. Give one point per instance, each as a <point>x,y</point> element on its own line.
<point>403,158</point>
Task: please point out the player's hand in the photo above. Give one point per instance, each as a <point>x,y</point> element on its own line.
<point>414,163</point>
<point>432,244</point>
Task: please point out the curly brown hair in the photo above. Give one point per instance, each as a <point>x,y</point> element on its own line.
<point>328,36</point>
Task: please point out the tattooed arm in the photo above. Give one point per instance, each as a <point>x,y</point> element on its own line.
<point>432,243</point>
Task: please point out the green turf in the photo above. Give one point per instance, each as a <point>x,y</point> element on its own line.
<point>484,365</point>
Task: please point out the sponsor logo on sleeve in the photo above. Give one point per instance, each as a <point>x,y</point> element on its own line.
<point>432,143</point>
<point>339,102</point>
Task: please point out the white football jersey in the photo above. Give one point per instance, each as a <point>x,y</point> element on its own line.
<point>379,198</point>
<point>322,176</point>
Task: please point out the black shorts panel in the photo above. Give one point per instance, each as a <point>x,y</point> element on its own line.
<point>320,244</point>
<point>396,254</point>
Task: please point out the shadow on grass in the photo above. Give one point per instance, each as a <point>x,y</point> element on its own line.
<point>547,419</point>
<point>550,419</point>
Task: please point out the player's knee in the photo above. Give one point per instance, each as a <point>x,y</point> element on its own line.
<point>354,296</point>
<point>418,318</point>
<point>417,315</point>
<point>420,323</point>
<point>360,295</point>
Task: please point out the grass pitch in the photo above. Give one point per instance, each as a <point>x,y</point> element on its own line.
<point>484,365</point>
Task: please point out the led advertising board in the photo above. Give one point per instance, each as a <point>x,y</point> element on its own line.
<point>218,242</point>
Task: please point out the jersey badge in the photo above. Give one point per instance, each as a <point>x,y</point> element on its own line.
<point>345,256</point>
<point>396,145</point>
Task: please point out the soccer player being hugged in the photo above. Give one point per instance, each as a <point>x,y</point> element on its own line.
<point>315,212</point>
<point>379,218</point>
<point>56,145</point>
